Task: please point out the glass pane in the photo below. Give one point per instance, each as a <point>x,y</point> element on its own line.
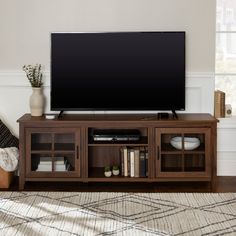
<point>194,142</point>
<point>41,141</point>
<point>171,163</point>
<point>41,162</point>
<point>64,162</point>
<point>64,141</point>
<point>228,85</point>
<point>170,142</point>
<point>226,15</point>
<point>225,52</point>
<point>194,162</point>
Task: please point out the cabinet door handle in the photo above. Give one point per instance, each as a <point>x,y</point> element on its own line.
<point>158,154</point>
<point>77,152</point>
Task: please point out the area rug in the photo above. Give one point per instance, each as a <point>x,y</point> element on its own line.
<point>103,213</point>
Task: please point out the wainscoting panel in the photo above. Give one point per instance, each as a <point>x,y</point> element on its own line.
<point>226,147</point>
<point>226,163</point>
<point>200,92</point>
<point>226,139</point>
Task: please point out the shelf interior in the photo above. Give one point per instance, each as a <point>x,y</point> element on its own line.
<point>98,172</point>
<point>143,141</point>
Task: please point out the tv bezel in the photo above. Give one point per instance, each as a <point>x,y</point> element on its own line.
<point>117,109</point>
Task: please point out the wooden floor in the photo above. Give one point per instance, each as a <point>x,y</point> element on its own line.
<point>224,184</point>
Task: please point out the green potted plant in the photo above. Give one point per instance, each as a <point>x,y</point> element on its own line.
<point>34,76</point>
<point>115,170</point>
<point>107,171</point>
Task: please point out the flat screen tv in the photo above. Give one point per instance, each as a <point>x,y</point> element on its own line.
<point>126,71</point>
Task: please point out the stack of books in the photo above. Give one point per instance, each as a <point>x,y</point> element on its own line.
<point>219,110</point>
<point>134,162</point>
<point>60,164</point>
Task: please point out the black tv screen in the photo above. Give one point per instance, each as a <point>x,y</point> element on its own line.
<point>118,71</point>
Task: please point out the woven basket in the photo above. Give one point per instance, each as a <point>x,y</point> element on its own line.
<point>5,178</point>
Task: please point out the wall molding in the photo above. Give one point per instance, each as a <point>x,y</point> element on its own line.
<point>17,78</point>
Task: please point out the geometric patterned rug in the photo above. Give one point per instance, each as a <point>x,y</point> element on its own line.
<point>103,213</point>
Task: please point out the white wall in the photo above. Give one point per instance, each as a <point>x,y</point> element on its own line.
<point>25,28</point>
<point>26,25</point>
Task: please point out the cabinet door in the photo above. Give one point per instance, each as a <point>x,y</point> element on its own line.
<point>52,152</point>
<point>183,152</point>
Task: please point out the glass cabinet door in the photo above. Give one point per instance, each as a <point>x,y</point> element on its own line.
<point>183,152</point>
<point>52,152</point>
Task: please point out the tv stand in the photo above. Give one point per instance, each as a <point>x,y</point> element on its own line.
<point>67,146</point>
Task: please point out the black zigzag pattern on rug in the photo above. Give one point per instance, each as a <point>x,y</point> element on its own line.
<point>81,213</point>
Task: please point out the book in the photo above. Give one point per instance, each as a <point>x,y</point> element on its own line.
<point>222,106</point>
<point>146,162</point>
<point>45,160</point>
<point>44,167</point>
<point>125,150</point>
<point>136,162</point>
<point>45,164</point>
<point>48,161</point>
<point>142,164</point>
<point>59,160</point>
<point>122,161</point>
<point>60,167</point>
<point>219,104</point>
<point>131,155</point>
<point>47,167</point>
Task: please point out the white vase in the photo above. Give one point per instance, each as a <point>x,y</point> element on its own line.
<point>36,102</point>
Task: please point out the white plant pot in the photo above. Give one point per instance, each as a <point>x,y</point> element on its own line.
<point>36,102</point>
<point>107,173</point>
<point>115,172</point>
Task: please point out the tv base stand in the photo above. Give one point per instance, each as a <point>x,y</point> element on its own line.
<point>64,150</point>
<point>175,116</point>
<point>60,114</point>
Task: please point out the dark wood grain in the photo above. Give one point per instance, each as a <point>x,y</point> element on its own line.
<point>74,140</point>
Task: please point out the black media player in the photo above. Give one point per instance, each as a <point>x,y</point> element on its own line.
<point>116,135</point>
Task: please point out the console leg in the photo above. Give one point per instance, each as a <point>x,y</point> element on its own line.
<point>21,184</point>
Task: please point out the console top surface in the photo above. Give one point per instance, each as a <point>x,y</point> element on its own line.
<point>196,117</point>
